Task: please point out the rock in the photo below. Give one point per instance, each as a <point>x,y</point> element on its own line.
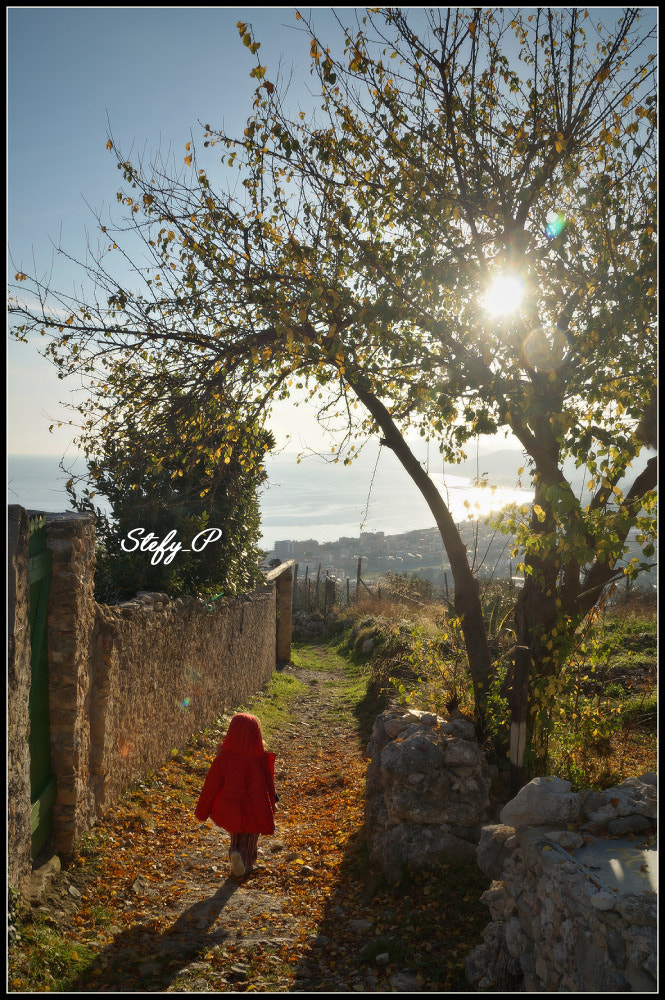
<point>543,802</point>
<point>405,982</point>
<point>623,825</point>
<point>633,797</point>
<point>555,925</point>
<point>359,926</point>
<point>426,790</point>
<point>494,848</point>
<point>42,878</point>
<point>641,911</point>
<point>499,901</point>
<point>238,972</point>
<point>568,839</point>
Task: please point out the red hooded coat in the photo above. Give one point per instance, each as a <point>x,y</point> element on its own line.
<point>239,791</point>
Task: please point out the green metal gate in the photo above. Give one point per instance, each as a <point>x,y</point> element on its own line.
<point>42,781</point>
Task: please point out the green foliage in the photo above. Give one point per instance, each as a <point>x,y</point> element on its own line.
<point>172,488</point>
<point>46,961</point>
<point>595,694</point>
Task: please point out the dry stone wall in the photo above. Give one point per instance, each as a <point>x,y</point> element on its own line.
<point>127,683</point>
<point>163,669</point>
<point>567,914</point>
<point>18,695</point>
<point>427,790</point>
<point>559,921</point>
<point>71,623</point>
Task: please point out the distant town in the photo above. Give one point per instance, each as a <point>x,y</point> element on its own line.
<point>419,552</point>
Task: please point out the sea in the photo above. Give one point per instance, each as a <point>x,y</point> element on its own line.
<point>311,497</point>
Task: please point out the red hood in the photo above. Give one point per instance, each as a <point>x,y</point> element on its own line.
<point>244,736</point>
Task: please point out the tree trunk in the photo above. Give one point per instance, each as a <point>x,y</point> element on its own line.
<point>467,596</point>
<point>535,618</point>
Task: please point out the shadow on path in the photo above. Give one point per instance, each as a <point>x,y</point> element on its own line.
<point>147,959</point>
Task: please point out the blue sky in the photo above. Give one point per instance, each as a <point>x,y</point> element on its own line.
<point>151,74</point>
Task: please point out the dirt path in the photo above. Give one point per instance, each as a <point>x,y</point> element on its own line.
<point>150,904</point>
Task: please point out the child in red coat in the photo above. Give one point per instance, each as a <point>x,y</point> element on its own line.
<point>239,791</point>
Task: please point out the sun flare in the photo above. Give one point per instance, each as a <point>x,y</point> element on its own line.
<point>504,296</point>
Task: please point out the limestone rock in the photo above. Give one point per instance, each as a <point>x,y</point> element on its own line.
<point>556,925</point>
<point>633,797</point>
<point>543,802</point>
<point>426,792</point>
<point>493,849</point>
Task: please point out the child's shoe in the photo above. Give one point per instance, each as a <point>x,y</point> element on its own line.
<point>237,864</point>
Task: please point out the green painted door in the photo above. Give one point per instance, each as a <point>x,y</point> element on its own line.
<point>42,781</point>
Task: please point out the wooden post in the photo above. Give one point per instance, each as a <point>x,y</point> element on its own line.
<point>358,577</point>
<point>318,601</point>
<point>518,702</point>
<point>348,591</point>
<point>294,598</point>
<point>329,585</point>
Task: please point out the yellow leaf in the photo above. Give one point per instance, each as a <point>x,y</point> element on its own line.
<point>188,160</point>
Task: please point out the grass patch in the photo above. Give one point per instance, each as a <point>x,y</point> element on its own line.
<point>272,705</point>
<point>352,686</point>
<point>44,961</point>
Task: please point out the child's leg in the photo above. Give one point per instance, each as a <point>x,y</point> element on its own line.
<point>249,844</point>
<point>245,847</point>
<point>235,855</point>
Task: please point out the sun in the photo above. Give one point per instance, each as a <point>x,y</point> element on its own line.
<point>504,295</point>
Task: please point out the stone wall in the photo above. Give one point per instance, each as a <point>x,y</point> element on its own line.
<point>127,683</point>
<point>71,622</point>
<point>163,669</point>
<point>572,907</point>
<point>427,790</point>
<point>18,694</point>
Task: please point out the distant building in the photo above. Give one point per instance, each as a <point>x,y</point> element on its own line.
<point>284,549</point>
<point>306,549</point>
<point>375,541</point>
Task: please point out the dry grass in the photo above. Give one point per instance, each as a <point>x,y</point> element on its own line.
<point>613,695</point>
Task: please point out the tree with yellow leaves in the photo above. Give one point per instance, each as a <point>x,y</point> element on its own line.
<point>461,239</point>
